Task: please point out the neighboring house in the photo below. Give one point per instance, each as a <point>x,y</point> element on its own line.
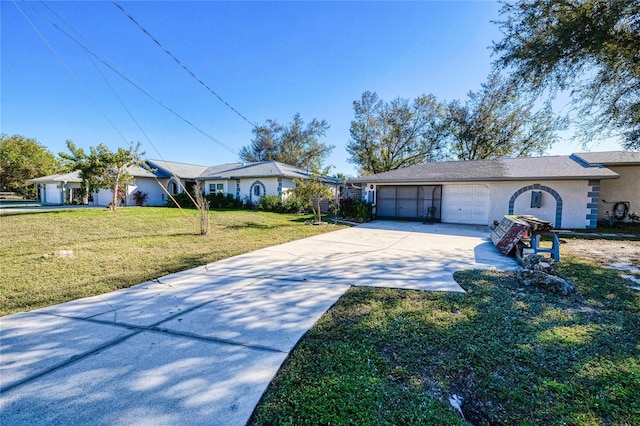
<point>626,189</point>
<point>58,189</point>
<point>65,189</point>
<point>252,181</point>
<point>176,176</point>
<point>248,182</point>
<point>568,191</point>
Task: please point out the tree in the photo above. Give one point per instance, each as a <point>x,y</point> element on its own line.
<point>296,144</point>
<point>390,135</point>
<point>102,168</point>
<point>313,190</point>
<point>22,159</point>
<point>590,48</point>
<point>495,123</point>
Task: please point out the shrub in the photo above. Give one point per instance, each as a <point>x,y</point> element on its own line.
<point>355,210</point>
<point>273,203</point>
<point>224,201</point>
<point>182,199</point>
<point>140,197</point>
<point>270,203</point>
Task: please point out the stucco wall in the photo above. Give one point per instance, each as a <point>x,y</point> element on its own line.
<point>566,204</point>
<point>626,188</point>
<point>156,195</point>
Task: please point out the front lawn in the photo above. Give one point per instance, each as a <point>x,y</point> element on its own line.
<point>517,356</point>
<point>113,250</point>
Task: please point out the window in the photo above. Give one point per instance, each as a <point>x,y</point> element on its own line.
<point>173,188</point>
<point>536,199</point>
<point>216,188</point>
<point>256,190</point>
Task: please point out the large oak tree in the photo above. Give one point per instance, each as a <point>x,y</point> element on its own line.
<point>391,135</point>
<point>590,48</point>
<point>21,159</point>
<point>297,144</point>
<point>495,122</point>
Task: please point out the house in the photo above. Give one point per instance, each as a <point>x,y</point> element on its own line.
<point>65,189</point>
<point>252,181</point>
<point>248,182</point>
<point>568,191</point>
<point>174,176</point>
<point>625,189</point>
<point>58,189</point>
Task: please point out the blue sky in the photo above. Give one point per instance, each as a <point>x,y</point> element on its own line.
<point>269,60</point>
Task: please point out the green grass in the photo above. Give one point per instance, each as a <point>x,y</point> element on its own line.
<point>119,249</point>
<point>518,356</point>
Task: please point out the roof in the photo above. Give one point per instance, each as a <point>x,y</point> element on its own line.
<point>74,176</point>
<point>167,169</point>
<point>503,169</point>
<point>611,158</point>
<point>64,177</point>
<point>257,170</point>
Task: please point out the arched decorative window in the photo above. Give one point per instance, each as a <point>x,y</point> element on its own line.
<point>173,187</point>
<point>257,191</point>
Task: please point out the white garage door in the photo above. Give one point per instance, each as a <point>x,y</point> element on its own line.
<point>465,204</point>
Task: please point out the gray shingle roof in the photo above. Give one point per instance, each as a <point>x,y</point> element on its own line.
<point>64,177</point>
<point>257,170</point>
<point>182,170</point>
<point>611,158</point>
<point>530,168</point>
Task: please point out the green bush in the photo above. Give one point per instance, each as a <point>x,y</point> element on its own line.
<point>216,201</point>
<point>224,201</point>
<point>355,210</point>
<point>273,203</point>
<point>182,199</point>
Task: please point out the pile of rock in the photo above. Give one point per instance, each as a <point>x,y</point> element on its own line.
<point>542,272</point>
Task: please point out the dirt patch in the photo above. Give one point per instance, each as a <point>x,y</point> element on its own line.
<point>623,256</point>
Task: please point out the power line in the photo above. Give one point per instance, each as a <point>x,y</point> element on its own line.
<point>71,73</point>
<point>130,80</point>
<point>191,73</point>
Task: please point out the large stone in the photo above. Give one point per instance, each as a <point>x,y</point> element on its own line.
<point>546,282</point>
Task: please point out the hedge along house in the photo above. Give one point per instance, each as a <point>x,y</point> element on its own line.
<point>565,190</point>
<point>252,181</point>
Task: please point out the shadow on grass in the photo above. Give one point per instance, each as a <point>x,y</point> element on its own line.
<point>516,355</point>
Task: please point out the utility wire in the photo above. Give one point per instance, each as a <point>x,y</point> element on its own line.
<point>122,103</point>
<point>182,65</point>
<point>138,86</point>
<point>93,99</point>
<point>71,73</point>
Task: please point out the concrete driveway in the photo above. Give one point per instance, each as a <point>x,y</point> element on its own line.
<point>201,346</point>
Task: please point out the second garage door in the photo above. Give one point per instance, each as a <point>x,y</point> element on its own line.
<point>465,204</point>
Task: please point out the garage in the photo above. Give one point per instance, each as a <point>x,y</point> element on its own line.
<point>465,204</point>
<point>409,202</point>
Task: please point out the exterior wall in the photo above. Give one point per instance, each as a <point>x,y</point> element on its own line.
<point>156,195</point>
<point>54,193</point>
<point>564,203</point>
<point>626,188</point>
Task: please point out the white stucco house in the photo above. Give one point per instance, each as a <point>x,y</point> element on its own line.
<point>65,189</point>
<point>252,181</point>
<point>569,191</point>
<point>244,181</point>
